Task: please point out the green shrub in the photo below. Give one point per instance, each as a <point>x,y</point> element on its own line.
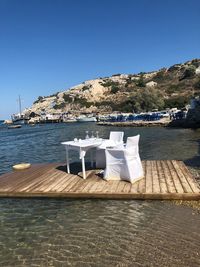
<point>55,94</point>
<point>114,89</point>
<point>145,100</point>
<point>148,100</point>
<point>129,81</point>
<point>40,98</point>
<point>59,106</point>
<point>195,63</point>
<point>173,68</point>
<point>188,73</point>
<point>67,98</point>
<point>173,88</point>
<point>118,74</point>
<point>141,73</point>
<point>108,83</point>
<point>177,101</point>
<point>160,76</point>
<point>107,103</point>
<point>86,87</point>
<point>140,82</point>
<point>197,84</point>
<point>83,102</point>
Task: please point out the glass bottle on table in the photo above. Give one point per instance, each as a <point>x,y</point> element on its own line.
<point>87,135</point>
<point>92,135</point>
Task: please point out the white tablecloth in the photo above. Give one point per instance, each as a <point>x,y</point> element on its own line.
<point>82,146</point>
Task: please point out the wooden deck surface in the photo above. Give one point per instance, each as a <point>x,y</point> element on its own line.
<point>168,179</point>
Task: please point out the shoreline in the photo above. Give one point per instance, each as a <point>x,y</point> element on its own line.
<point>163,123</point>
<point>186,124</point>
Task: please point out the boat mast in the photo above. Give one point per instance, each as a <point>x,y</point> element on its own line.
<point>20,106</point>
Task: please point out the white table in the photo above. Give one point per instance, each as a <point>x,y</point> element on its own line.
<point>82,147</point>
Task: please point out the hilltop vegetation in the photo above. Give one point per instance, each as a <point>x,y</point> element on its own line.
<point>172,87</point>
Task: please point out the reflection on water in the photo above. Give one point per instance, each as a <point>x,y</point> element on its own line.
<point>49,232</point>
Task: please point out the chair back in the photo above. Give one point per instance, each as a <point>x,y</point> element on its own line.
<point>132,144</point>
<point>117,136</point>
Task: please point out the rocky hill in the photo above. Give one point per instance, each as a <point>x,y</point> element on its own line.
<point>167,87</point>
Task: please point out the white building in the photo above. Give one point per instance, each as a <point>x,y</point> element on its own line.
<point>151,84</point>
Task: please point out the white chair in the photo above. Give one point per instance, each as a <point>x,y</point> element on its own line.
<point>124,164</point>
<point>115,140</point>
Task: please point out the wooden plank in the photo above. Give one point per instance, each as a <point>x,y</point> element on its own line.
<point>193,183</point>
<point>45,178</point>
<point>169,181</point>
<point>173,174</point>
<point>56,181</point>
<point>141,184</point>
<point>156,183</point>
<point>49,179</point>
<point>90,184</point>
<point>167,196</point>
<point>14,177</point>
<point>81,185</point>
<point>63,185</point>
<point>70,184</point>
<point>24,177</point>
<point>134,187</point>
<point>98,184</point>
<point>110,186</point>
<point>14,173</point>
<point>127,187</point>
<point>186,187</point>
<point>161,175</point>
<point>32,183</point>
<point>175,177</point>
<point>148,176</point>
<point>121,186</point>
<point>76,186</point>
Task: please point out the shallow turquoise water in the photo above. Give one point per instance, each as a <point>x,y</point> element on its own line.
<point>52,232</point>
<point>97,233</point>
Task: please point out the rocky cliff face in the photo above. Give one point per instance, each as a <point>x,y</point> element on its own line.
<point>172,87</point>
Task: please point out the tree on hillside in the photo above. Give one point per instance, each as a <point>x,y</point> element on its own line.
<point>141,82</point>
<point>148,100</point>
<point>145,100</point>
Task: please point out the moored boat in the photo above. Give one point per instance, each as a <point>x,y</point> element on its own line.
<point>15,126</point>
<point>20,117</point>
<point>86,119</point>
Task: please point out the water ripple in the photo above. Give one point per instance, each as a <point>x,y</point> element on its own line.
<point>97,233</point>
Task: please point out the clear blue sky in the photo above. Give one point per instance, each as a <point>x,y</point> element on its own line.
<point>49,45</point>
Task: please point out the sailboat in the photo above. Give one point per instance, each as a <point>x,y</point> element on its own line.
<point>19,118</point>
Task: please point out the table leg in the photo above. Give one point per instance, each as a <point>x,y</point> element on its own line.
<point>67,161</point>
<point>83,167</point>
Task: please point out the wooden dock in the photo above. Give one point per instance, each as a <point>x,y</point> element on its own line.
<point>162,180</point>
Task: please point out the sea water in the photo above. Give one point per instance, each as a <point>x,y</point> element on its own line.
<point>53,232</point>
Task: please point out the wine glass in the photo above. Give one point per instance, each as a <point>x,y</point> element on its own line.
<point>92,135</point>
<point>97,134</point>
<point>87,135</point>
